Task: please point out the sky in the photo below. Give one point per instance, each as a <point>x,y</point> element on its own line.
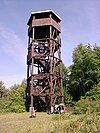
<point>80,24</point>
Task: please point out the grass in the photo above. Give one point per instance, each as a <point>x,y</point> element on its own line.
<point>44,123</point>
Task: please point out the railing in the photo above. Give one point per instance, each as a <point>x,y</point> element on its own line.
<point>44,22</point>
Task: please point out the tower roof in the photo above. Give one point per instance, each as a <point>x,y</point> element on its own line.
<point>46,12</point>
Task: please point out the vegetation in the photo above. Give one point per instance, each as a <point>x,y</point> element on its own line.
<point>84,80</point>
<point>15,99</point>
<point>85,72</point>
<point>91,101</point>
<point>67,96</point>
<point>3,90</point>
<point>43,123</point>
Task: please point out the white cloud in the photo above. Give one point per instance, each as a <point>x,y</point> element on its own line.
<point>12,44</point>
<point>10,80</point>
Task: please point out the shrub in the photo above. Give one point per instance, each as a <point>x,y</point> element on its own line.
<point>91,101</point>
<point>15,100</point>
<point>89,123</point>
<point>86,105</point>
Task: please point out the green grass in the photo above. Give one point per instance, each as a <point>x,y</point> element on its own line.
<point>44,123</point>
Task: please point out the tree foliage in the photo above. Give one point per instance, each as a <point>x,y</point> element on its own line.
<point>3,90</point>
<point>93,94</point>
<point>15,100</point>
<point>67,96</point>
<point>85,72</point>
<point>90,102</point>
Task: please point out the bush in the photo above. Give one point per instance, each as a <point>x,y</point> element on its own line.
<point>15,100</point>
<point>91,101</point>
<point>86,105</point>
<point>89,123</point>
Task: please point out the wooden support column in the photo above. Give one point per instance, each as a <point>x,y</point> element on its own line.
<point>51,62</point>
<point>51,73</point>
<point>61,82</point>
<point>32,49</point>
<point>28,41</point>
<point>27,59</point>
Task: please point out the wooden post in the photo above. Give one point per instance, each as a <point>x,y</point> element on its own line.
<point>51,59</point>
<point>32,65</point>
<point>61,82</point>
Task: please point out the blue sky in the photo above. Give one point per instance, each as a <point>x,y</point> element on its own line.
<point>80,24</point>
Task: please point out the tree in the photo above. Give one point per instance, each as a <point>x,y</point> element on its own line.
<point>15,100</point>
<point>67,96</point>
<point>93,94</point>
<point>85,71</point>
<point>90,102</point>
<point>2,90</point>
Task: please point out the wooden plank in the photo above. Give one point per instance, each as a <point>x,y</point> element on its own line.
<point>45,22</point>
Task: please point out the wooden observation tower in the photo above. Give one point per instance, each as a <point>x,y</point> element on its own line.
<point>44,65</point>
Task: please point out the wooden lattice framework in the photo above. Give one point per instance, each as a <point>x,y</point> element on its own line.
<point>44,65</point>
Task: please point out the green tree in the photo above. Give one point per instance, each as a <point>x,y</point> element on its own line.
<point>93,94</point>
<point>90,102</point>
<point>67,96</point>
<point>15,100</point>
<point>85,71</point>
<point>2,90</point>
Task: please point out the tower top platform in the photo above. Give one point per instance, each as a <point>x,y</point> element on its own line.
<point>44,14</point>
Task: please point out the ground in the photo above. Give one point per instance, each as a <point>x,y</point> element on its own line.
<point>43,123</point>
<point>21,123</point>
